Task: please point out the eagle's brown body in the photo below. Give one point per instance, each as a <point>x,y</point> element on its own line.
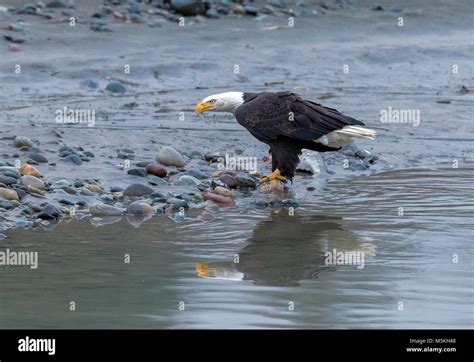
<point>288,123</point>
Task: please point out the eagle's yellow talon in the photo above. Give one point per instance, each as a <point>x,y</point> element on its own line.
<point>274,176</point>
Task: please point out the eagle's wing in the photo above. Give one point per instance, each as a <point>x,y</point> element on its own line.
<point>269,115</point>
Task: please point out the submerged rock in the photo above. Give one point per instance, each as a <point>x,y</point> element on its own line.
<point>116,87</point>
<point>188,7</point>
<point>104,210</point>
<point>219,199</point>
<point>140,208</point>
<point>50,212</point>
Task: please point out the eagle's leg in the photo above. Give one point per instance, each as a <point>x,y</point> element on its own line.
<point>276,175</point>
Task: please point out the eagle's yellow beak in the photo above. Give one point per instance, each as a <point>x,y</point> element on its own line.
<point>203,107</point>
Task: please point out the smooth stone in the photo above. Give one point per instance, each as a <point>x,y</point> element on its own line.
<point>50,212</point>
<point>31,181</point>
<point>137,172</point>
<point>116,189</point>
<point>229,180</point>
<point>223,191</point>
<point>168,156</point>
<point>260,204</point>
<point>60,184</point>
<point>246,181</point>
<point>276,203</point>
<point>158,197</point>
<point>197,174</point>
<point>14,174</point>
<point>188,7</point>
<point>116,87</point>
<point>219,199</point>
<point>104,210</point>
<point>20,192</point>
<point>6,180</point>
<point>251,9</point>
<point>88,84</point>
<point>178,203</point>
<point>86,192</point>
<point>21,141</point>
<point>38,157</point>
<point>188,180</point>
<point>5,204</point>
<point>157,181</point>
<point>29,170</point>
<point>73,158</point>
<point>290,203</point>
<point>138,190</point>
<point>94,188</point>
<point>140,208</point>
<point>157,170</point>
<point>66,202</point>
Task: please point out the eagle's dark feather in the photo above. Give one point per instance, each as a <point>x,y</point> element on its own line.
<point>288,123</point>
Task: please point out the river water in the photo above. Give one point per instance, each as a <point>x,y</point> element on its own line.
<point>251,268</point>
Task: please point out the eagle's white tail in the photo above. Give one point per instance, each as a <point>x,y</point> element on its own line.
<point>345,135</point>
<point>357,132</point>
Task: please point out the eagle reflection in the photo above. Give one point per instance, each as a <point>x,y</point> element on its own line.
<point>285,250</point>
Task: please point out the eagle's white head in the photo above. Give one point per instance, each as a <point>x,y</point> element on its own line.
<point>222,102</point>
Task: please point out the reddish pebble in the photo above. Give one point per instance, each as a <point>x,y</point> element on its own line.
<point>219,199</point>
<point>156,170</point>
<point>14,48</point>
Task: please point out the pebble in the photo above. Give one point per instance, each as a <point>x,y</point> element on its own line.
<point>188,7</point>
<point>94,188</point>
<point>7,180</point>
<point>246,181</point>
<point>74,159</point>
<point>88,84</point>
<point>229,180</point>
<point>197,174</point>
<point>116,87</point>
<point>21,142</point>
<point>168,156</point>
<point>188,180</point>
<point>251,9</point>
<point>157,181</point>
<point>276,203</point>
<point>50,212</point>
<point>219,199</point>
<point>158,197</point>
<point>223,191</point>
<point>38,157</point>
<point>116,189</point>
<point>138,190</point>
<point>290,203</point>
<point>32,181</point>
<point>177,203</point>
<point>104,210</point>
<point>26,169</point>
<point>5,204</point>
<point>261,204</point>
<point>157,170</point>
<point>137,172</point>
<point>140,208</point>
<point>60,184</point>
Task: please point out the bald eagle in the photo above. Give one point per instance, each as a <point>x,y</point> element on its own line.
<point>287,123</point>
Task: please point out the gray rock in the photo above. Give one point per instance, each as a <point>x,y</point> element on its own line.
<point>188,180</point>
<point>116,87</point>
<point>73,159</point>
<point>138,190</point>
<point>50,212</point>
<point>168,156</point>
<point>6,180</point>
<point>38,157</point>
<point>104,210</point>
<point>137,172</point>
<point>188,7</point>
<point>21,141</point>
<point>197,174</point>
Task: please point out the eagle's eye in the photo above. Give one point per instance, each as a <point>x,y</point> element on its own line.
<point>212,101</point>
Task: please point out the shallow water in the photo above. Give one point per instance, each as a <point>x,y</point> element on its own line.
<point>281,263</point>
